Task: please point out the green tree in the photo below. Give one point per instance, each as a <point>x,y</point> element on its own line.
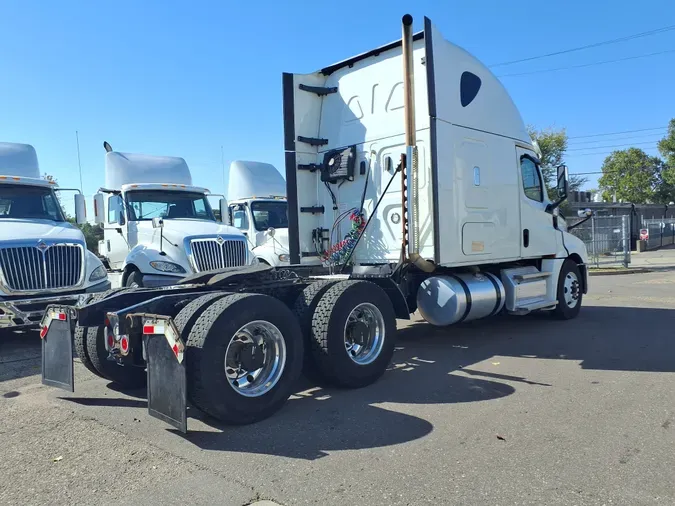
<point>553,144</point>
<point>667,149</point>
<point>631,175</point>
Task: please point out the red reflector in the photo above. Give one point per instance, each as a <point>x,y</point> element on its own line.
<point>125,344</point>
<point>111,341</point>
<point>175,349</point>
<point>148,329</point>
<point>43,332</point>
<point>106,322</point>
<point>62,316</point>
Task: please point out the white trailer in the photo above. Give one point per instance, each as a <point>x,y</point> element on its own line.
<point>43,257</point>
<point>158,227</point>
<point>411,168</point>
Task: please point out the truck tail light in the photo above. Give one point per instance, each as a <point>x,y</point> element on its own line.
<point>124,345</point>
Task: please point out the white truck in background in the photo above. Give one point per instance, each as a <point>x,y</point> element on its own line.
<point>43,257</point>
<point>256,195</point>
<point>158,227</point>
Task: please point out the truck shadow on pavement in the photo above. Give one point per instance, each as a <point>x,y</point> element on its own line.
<point>441,366</point>
<point>317,420</point>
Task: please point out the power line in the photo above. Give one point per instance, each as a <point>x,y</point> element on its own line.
<point>617,133</point>
<point>587,64</point>
<point>588,46</point>
<point>603,152</point>
<point>575,143</point>
<point>614,146</point>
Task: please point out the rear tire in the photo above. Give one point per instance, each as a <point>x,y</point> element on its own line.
<point>187,316</point>
<point>570,294</point>
<point>80,338</point>
<point>304,308</point>
<point>212,347</point>
<point>349,313</point>
<point>80,345</point>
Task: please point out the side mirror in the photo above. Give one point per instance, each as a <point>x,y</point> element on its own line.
<point>99,207</point>
<point>116,205</point>
<point>157,223</point>
<point>271,231</point>
<point>583,213</point>
<point>224,212</point>
<point>80,209</point>
<point>563,183</point>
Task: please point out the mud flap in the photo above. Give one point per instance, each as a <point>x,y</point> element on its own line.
<point>167,386</point>
<point>57,349</point>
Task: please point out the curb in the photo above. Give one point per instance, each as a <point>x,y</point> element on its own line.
<point>636,270</point>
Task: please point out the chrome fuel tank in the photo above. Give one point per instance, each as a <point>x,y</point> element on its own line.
<point>454,298</point>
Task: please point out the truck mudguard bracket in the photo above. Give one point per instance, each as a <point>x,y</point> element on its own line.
<point>313,141</point>
<point>167,382</point>
<point>313,209</point>
<point>319,90</point>
<point>56,331</point>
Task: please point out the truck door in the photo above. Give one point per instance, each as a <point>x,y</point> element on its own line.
<point>114,237</point>
<point>538,235</point>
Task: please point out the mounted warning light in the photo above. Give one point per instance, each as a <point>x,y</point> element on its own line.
<point>169,331</point>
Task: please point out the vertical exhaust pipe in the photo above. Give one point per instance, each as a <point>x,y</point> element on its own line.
<point>412,171</point>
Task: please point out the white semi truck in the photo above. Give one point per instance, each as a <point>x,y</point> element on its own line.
<point>158,227</point>
<point>257,204</point>
<point>409,167</point>
<point>43,257</point>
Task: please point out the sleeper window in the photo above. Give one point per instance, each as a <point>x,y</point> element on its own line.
<point>531,181</point>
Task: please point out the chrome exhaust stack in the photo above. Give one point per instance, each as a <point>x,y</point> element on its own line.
<point>412,170</point>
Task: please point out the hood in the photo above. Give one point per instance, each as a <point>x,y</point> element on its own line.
<point>177,230</point>
<point>279,242</point>
<point>20,230</point>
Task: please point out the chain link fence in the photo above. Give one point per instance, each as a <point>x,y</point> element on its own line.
<point>661,232</point>
<point>607,240</point>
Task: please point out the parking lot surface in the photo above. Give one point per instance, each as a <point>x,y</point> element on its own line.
<point>513,410</point>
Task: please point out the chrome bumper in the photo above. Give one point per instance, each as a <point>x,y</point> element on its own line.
<point>28,312</point>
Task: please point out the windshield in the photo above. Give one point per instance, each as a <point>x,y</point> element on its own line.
<point>169,205</point>
<point>270,214</point>
<point>29,203</point>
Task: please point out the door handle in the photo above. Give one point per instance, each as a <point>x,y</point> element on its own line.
<point>526,238</point>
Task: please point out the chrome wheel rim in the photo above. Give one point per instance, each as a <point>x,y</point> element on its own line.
<point>255,358</point>
<point>364,333</point>
<point>571,290</point>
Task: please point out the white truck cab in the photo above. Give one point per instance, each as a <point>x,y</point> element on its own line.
<point>257,206</point>
<point>158,227</point>
<point>43,257</point>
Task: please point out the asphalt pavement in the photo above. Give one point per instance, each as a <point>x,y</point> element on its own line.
<point>508,411</point>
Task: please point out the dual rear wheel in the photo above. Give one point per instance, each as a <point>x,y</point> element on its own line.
<point>245,352</point>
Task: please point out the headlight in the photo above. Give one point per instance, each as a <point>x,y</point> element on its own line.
<point>167,267</point>
<point>98,274</point>
<point>283,258</point>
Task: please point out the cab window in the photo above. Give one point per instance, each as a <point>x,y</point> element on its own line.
<point>531,179</point>
<point>239,218</point>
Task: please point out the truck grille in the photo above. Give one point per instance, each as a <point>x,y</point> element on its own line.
<point>212,254</point>
<point>30,268</point>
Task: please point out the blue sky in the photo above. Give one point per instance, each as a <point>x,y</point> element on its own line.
<point>184,78</point>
